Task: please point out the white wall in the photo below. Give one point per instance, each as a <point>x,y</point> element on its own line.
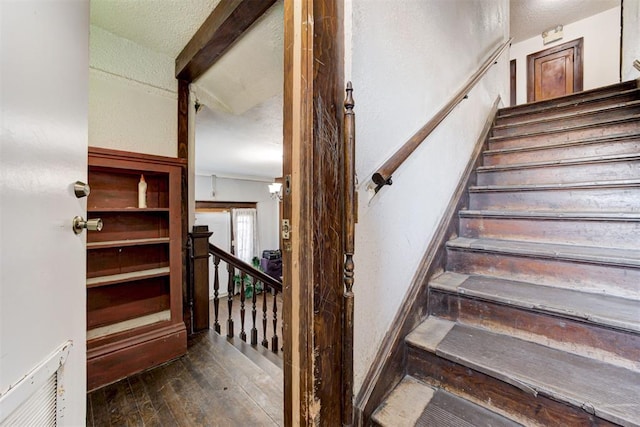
<point>630,38</point>
<point>44,52</point>
<point>132,96</point>
<point>601,49</point>
<point>406,61</point>
<point>238,190</point>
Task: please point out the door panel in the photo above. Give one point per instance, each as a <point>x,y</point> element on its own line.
<point>44,51</point>
<point>554,72</point>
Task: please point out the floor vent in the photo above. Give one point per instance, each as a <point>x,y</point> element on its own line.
<point>33,401</point>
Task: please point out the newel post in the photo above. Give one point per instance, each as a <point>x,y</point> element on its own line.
<point>350,219</point>
<point>200,273</point>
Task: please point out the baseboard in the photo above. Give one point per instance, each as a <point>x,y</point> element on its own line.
<point>111,363</point>
<point>387,368</point>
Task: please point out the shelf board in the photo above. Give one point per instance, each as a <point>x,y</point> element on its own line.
<point>126,277</point>
<point>126,325</point>
<point>128,210</point>
<point>128,242</point>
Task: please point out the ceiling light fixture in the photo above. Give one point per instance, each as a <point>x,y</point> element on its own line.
<point>552,35</point>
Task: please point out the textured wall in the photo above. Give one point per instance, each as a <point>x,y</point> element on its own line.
<point>132,96</point>
<point>406,61</point>
<point>630,38</point>
<point>601,34</point>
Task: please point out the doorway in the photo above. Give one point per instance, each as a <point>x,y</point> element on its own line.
<point>555,72</point>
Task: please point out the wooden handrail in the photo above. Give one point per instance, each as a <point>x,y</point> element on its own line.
<point>245,267</point>
<point>382,176</point>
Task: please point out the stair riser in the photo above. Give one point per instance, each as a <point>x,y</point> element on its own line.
<point>575,98</point>
<point>588,199</point>
<point>553,112</point>
<point>589,277</point>
<point>608,234</point>
<point>585,172</point>
<point>575,336</point>
<point>546,139</point>
<point>565,122</point>
<point>630,146</point>
<point>495,394</point>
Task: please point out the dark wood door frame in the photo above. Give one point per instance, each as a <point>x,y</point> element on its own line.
<point>313,196</point>
<point>576,45</point>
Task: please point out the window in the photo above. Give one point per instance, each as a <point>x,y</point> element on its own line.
<point>245,233</point>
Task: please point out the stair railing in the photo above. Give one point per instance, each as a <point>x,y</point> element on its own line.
<point>382,176</point>
<point>259,283</point>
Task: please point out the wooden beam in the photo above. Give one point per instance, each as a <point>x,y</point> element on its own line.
<point>220,30</point>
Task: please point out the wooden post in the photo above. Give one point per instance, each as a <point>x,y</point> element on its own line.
<point>350,215</point>
<point>200,267</point>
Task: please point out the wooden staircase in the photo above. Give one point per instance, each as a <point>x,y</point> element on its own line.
<point>536,320</point>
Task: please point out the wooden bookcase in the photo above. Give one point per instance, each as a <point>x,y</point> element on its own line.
<point>134,265</point>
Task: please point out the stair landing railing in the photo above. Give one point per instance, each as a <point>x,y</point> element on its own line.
<point>382,176</point>
<point>261,286</point>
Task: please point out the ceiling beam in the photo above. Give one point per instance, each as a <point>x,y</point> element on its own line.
<point>220,30</point>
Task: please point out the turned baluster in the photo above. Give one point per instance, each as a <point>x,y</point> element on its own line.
<point>274,339</point>
<point>230,291</point>
<point>216,287</point>
<point>265,342</point>
<point>243,335</point>
<point>254,330</point>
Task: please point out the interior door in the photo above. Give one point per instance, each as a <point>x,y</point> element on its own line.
<point>554,72</point>
<point>44,51</point>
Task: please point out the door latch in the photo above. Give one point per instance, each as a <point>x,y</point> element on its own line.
<point>286,229</point>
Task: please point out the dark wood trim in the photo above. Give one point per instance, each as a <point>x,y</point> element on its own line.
<point>387,368</point>
<point>577,45</point>
<point>513,83</point>
<point>203,204</point>
<point>107,153</point>
<point>313,257</point>
<point>288,311</point>
<point>226,24</point>
<point>382,176</point>
<point>183,153</point>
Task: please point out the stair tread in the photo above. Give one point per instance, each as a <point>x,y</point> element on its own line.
<point>611,158</point>
<point>569,104</point>
<point>571,98</point>
<point>608,391</point>
<point>560,186</point>
<point>414,403</point>
<point>592,140</point>
<point>570,115</point>
<point>553,215</point>
<point>613,256</point>
<point>600,309</point>
<point>633,118</point>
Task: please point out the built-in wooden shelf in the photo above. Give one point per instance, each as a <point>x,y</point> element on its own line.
<point>130,242</point>
<point>127,277</point>
<point>134,265</point>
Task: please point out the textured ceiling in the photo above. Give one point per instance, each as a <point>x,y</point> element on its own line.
<point>161,25</point>
<point>249,145</point>
<point>253,70</point>
<point>530,18</point>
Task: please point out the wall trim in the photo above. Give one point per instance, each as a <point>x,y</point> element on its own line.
<point>387,368</point>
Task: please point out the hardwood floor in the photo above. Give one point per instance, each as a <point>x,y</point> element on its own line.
<point>214,384</point>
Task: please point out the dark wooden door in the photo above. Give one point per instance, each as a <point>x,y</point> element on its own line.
<point>554,72</point>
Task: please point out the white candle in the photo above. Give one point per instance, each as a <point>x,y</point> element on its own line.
<point>142,193</point>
